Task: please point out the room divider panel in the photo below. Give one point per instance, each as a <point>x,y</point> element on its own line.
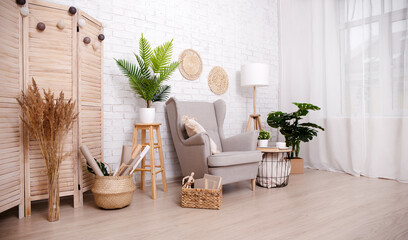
<point>90,63</point>
<point>50,62</point>
<point>58,58</point>
<point>11,81</point>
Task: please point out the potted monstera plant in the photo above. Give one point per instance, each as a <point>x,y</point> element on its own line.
<point>148,76</point>
<point>295,131</point>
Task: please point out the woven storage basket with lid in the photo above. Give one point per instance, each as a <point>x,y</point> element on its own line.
<point>111,192</point>
<point>201,198</point>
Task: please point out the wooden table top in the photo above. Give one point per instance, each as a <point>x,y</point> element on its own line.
<point>273,150</point>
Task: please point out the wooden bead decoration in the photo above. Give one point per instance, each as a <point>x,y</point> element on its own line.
<point>87,40</point>
<point>81,22</point>
<point>101,37</point>
<point>24,11</point>
<point>21,2</point>
<point>61,24</point>
<point>41,26</point>
<point>72,10</point>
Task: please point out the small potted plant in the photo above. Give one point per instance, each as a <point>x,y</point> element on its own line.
<point>263,138</point>
<point>295,132</point>
<point>147,77</point>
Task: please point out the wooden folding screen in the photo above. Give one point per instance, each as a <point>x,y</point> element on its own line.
<point>11,137</point>
<point>57,58</point>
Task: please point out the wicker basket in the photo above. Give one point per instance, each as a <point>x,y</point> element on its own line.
<point>273,171</point>
<point>113,192</point>
<point>201,198</point>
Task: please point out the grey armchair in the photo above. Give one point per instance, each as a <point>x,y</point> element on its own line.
<point>238,159</point>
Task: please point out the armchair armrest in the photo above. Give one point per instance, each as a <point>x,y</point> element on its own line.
<point>241,142</point>
<point>193,154</point>
<point>198,139</point>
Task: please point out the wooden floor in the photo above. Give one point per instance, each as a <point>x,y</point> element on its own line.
<point>316,205</point>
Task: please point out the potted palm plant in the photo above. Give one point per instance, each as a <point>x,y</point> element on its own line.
<point>295,132</point>
<point>147,77</point>
<point>263,138</point>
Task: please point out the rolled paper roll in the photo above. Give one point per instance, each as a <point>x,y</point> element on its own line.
<point>72,10</point>
<point>87,40</point>
<point>126,157</point>
<point>24,11</point>
<point>120,170</point>
<point>41,26</point>
<point>81,22</point>
<point>101,37</point>
<point>91,161</point>
<point>135,152</point>
<point>140,157</point>
<point>61,24</point>
<point>21,2</point>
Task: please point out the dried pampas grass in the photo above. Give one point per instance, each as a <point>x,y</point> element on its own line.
<point>48,120</point>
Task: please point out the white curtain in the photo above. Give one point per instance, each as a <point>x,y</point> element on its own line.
<point>350,57</point>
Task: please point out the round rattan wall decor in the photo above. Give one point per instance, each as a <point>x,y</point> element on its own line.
<point>191,65</point>
<point>218,80</point>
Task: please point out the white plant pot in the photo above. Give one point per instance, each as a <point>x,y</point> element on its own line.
<point>263,143</point>
<point>146,115</point>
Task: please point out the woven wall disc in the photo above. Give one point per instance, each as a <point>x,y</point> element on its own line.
<point>218,80</point>
<point>191,65</point>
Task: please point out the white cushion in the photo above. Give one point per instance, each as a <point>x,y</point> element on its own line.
<point>193,128</point>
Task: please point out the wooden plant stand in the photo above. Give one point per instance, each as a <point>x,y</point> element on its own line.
<point>152,167</point>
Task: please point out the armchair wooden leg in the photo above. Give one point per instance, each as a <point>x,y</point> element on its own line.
<point>253,184</point>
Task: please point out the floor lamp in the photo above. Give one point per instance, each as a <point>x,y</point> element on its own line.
<point>255,75</point>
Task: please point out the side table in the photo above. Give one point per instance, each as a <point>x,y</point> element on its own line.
<point>273,170</point>
<point>153,145</point>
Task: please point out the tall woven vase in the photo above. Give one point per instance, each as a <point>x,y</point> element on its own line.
<point>53,198</point>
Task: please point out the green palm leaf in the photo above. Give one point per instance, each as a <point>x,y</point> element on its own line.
<point>163,94</point>
<point>143,67</point>
<point>145,51</point>
<point>166,71</point>
<point>135,76</point>
<point>161,56</point>
<point>129,69</point>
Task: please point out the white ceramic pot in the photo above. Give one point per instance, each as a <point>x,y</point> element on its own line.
<point>263,143</point>
<point>146,115</point>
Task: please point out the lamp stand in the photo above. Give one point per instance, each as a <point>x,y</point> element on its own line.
<point>256,118</point>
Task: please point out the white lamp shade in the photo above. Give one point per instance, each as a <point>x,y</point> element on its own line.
<point>255,74</point>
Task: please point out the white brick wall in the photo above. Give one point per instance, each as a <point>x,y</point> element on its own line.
<point>226,33</point>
